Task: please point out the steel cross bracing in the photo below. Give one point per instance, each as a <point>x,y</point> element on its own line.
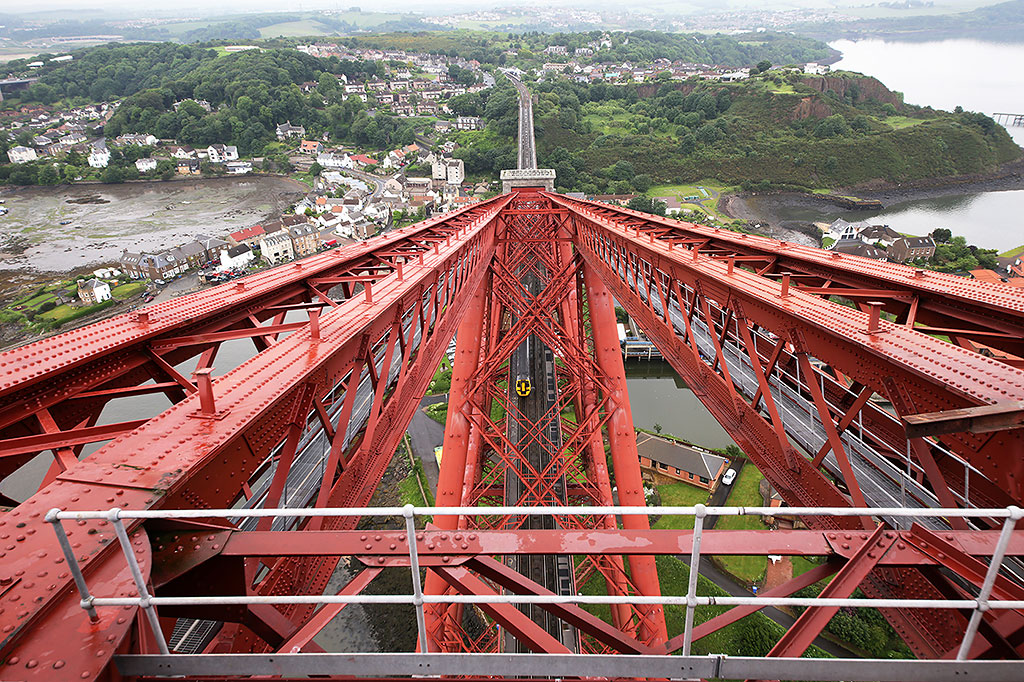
<point>314,417</point>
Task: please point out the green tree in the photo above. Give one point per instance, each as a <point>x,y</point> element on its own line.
<point>48,175</point>
<point>763,66</point>
<point>941,235</point>
<point>112,175</point>
<point>642,183</point>
<point>647,205</point>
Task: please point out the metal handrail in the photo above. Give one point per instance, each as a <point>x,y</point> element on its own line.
<point>691,600</point>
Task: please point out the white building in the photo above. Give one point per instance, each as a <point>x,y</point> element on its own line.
<point>468,123</point>
<point>93,291</point>
<point>816,69</point>
<point>21,154</point>
<point>146,165</point>
<point>332,160</point>
<point>238,167</point>
<point>99,158</point>
<point>452,171</point>
<point>277,247</point>
<point>219,153</point>
<point>236,257</point>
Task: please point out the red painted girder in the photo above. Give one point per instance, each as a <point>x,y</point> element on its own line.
<point>945,297</point>
<point>939,376</point>
<point>737,612</point>
<point>813,620</point>
<point>295,643</point>
<point>164,461</point>
<point>801,486</point>
<point>230,335</point>
<point>81,358</point>
<point>65,439</point>
<point>570,613</point>
<point>602,541</point>
<point>511,618</point>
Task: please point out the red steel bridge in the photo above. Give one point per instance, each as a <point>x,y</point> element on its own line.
<point>199,536</point>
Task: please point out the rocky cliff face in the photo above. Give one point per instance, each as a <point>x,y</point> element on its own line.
<point>860,89</point>
<point>810,107</point>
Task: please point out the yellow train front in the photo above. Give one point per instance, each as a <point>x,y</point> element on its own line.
<point>523,386</point>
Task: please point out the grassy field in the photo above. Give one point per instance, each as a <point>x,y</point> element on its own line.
<point>679,495</point>
<point>744,493</point>
<point>442,380</point>
<point>709,203</point>
<point>1019,251</point>
<point>897,122</point>
<point>288,29</point>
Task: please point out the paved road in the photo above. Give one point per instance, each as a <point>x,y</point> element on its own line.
<point>376,180</point>
<point>426,434</point>
<point>722,493</point>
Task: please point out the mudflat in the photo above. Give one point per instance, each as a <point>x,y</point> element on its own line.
<point>101,221</point>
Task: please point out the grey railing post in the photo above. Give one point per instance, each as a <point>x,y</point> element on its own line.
<point>140,580</point>
<point>53,517</point>
<point>414,566</point>
<point>691,590</point>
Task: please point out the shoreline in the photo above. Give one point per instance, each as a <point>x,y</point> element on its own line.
<point>1009,177</point>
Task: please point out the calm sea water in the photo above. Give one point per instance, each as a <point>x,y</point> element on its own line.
<point>977,75</point>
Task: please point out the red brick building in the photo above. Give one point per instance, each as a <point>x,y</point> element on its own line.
<point>661,458</point>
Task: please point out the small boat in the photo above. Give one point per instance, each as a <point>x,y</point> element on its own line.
<point>65,222</point>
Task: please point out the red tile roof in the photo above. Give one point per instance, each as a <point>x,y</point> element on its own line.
<point>363,159</point>
<point>247,233</point>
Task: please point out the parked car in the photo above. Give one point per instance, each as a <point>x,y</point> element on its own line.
<point>149,298</point>
<point>159,282</point>
<point>729,477</point>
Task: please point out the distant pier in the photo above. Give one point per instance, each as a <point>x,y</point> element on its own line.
<point>1005,119</point>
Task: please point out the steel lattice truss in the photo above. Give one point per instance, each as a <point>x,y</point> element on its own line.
<point>785,345</point>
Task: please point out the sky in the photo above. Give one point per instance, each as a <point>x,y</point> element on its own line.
<point>166,7</point>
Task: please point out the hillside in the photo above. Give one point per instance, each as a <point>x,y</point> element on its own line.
<point>780,128</point>
<point>1001,22</point>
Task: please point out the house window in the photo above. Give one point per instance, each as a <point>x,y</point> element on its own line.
<point>703,480</point>
<point>662,465</point>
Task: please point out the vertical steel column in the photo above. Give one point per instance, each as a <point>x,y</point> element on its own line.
<point>622,438</point>
<point>455,446</point>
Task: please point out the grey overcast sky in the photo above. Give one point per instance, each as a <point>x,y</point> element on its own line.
<point>192,7</point>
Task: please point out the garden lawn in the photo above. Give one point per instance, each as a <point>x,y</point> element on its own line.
<point>744,494</point>
<point>128,290</point>
<point>679,495</point>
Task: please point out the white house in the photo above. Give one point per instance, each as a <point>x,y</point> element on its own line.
<point>21,154</point>
<point>236,257</point>
<point>238,167</point>
<point>468,123</point>
<point>816,69</point>
<point>99,158</point>
<point>452,171</point>
<point>93,291</point>
<point>219,153</point>
<point>332,160</point>
<point>277,247</point>
<point>146,165</point>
